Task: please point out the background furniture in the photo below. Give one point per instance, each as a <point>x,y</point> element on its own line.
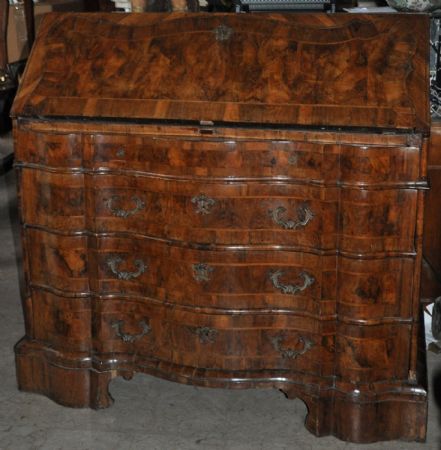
<point>231,201</point>
<point>431,274</point>
<point>9,77</point>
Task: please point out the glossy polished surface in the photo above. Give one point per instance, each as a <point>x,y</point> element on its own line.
<point>224,256</point>
<point>150,412</point>
<point>302,69</point>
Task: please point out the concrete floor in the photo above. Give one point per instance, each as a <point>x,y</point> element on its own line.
<point>150,413</point>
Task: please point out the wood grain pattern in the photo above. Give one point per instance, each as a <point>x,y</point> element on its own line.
<point>241,212</point>
<point>44,371</point>
<point>369,221</point>
<point>62,323</point>
<point>126,129</point>
<point>269,69</point>
<point>233,279</point>
<point>322,160</point>
<point>59,206</point>
<point>278,244</point>
<point>374,290</point>
<point>239,342</point>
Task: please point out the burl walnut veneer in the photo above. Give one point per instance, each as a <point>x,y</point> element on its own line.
<point>229,201</point>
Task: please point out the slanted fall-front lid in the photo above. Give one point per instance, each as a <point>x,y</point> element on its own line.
<point>330,70</point>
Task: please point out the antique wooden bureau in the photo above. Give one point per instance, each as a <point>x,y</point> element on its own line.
<point>232,201</point>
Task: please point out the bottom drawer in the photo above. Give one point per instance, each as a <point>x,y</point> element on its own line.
<point>214,341</point>
<point>253,341</point>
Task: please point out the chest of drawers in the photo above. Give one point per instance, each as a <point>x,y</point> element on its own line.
<point>228,201</point>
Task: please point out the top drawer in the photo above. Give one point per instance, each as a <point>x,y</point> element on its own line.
<point>251,159</point>
<point>224,158</point>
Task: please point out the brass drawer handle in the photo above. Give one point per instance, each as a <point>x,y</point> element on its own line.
<point>292,289</point>
<point>118,212</point>
<point>206,335</point>
<point>304,216</point>
<point>203,204</point>
<point>115,261</point>
<point>290,353</point>
<point>126,337</point>
<point>202,272</point>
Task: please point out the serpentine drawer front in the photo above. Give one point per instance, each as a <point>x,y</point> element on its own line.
<point>251,218</point>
